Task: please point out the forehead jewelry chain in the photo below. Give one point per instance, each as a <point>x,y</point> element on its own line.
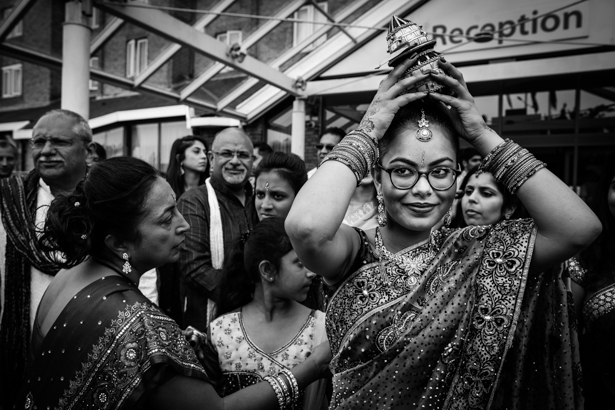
<point>266,186</point>
<point>423,134</point>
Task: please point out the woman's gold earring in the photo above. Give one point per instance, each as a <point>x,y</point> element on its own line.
<point>448,218</point>
<point>382,215</point>
<point>126,268</point>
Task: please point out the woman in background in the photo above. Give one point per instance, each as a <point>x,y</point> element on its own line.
<point>188,168</point>
<point>188,164</point>
<point>262,328</point>
<point>278,178</point>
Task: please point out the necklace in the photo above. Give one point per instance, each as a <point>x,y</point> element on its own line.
<point>413,262</point>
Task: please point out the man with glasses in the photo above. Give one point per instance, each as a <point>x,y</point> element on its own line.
<point>328,140</point>
<point>61,142</point>
<point>218,212</point>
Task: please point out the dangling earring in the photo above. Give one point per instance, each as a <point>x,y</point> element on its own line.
<point>507,216</point>
<point>447,218</point>
<point>382,215</point>
<point>126,268</point>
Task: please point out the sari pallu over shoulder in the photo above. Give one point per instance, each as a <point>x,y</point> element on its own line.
<point>108,347</point>
<point>436,343</point>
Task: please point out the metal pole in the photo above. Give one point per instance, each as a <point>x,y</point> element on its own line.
<point>76,60</point>
<point>297,145</point>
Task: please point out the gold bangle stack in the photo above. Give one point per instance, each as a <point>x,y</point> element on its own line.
<point>358,151</point>
<point>293,383</point>
<point>511,164</point>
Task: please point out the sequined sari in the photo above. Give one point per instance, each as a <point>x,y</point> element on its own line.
<point>435,337</point>
<point>107,348</point>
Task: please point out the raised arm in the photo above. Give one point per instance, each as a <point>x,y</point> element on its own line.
<point>314,223</point>
<point>565,224</point>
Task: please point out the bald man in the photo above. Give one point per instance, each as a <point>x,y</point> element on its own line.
<point>218,213</point>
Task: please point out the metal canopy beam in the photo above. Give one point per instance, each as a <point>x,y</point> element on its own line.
<point>105,34</point>
<point>251,82</point>
<point>172,29</point>
<point>36,57</point>
<point>261,32</point>
<point>331,19</point>
<point>170,51</point>
<point>19,10</point>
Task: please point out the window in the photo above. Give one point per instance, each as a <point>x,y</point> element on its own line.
<point>18,29</point>
<point>230,37</point>
<point>95,19</point>
<point>301,31</point>
<point>11,81</point>
<point>136,57</point>
<point>94,63</point>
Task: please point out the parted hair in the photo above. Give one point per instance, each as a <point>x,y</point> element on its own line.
<point>268,241</point>
<point>175,177</point>
<point>409,115</point>
<point>109,201</point>
<point>289,166</point>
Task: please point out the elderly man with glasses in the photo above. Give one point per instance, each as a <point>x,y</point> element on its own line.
<point>218,212</point>
<point>61,142</point>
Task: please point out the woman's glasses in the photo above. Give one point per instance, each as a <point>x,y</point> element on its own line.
<point>439,178</point>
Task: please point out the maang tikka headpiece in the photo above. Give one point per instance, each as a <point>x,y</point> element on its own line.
<point>423,134</point>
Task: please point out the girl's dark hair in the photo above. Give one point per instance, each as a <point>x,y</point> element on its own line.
<point>240,274</point>
<point>599,257</point>
<point>109,201</point>
<point>509,200</point>
<point>289,166</point>
<point>409,115</point>
<point>174,172</point>
<point>100,151</point>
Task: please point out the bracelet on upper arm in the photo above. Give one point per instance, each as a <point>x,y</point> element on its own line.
<point>510,164</point>
<point>358,151</point>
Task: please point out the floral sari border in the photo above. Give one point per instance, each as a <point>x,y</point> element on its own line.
<point>499,289</point>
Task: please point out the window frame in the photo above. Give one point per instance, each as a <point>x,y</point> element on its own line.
<point>93,85</point>
<point>17,31</point>
<point>8,72</point>
<point>312,14</point>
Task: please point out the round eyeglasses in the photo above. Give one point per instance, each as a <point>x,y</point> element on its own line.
<point>439,178</point>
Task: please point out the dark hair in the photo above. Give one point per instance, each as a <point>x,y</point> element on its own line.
<point>268,241</point>
<point>510,200</point>
<point>109,201</point>
<point>81,128</point>
<point>264,149</point>
<point>338,132</point>
<point>8,142</point>
<point>289,166</point>
<point>468,153</point>
<point>409,115</point>
<point>100,151</point>
<point>599,257</point>
<point>174,174</point>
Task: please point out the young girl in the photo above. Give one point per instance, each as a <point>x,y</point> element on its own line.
<point>262,328</point>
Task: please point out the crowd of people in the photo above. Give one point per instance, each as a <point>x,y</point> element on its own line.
<point>388,277</point>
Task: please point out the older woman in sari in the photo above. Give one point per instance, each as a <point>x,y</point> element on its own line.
<point>422,319</point>
<point>97,341</point>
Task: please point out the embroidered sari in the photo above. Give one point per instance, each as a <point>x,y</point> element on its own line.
<point>434,332</point>
<point>235,362</point>
<point>107,348</point>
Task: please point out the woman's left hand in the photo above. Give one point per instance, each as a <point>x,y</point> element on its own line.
<point>468,120</point>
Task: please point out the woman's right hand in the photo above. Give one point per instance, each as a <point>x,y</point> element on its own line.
<point>388,100</point>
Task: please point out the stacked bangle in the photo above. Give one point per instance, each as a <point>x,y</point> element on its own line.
<point>276,385</point>
<point>511,164</point>
<point>285,387</point>
<point>358,151</point>
<point>293,383</point>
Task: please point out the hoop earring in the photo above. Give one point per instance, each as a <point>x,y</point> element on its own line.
<point>382,215</point>
<point>126,268</point>
<point>448,218</point>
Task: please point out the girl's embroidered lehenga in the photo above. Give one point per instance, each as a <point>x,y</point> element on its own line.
<point>432,327</point>
<point>107,348</point>
<point>235,362</point>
